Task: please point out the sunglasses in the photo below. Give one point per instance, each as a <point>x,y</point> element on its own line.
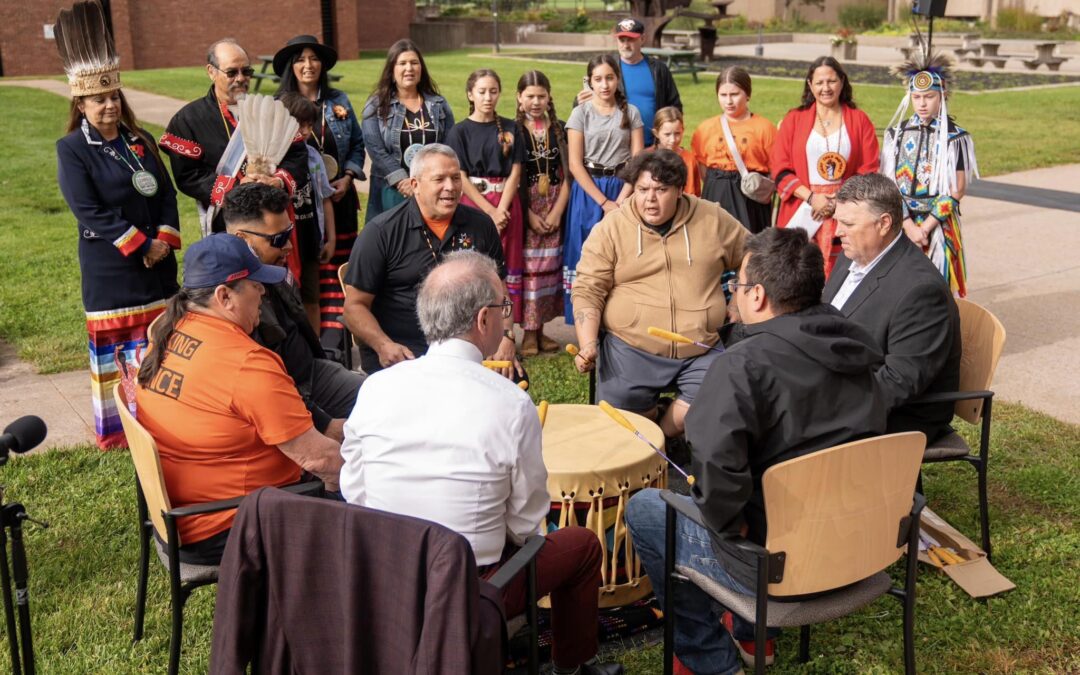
<point>232,73</point>
<point>275,240</point>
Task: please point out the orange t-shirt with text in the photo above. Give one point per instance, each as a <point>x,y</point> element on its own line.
<point>217,409</point>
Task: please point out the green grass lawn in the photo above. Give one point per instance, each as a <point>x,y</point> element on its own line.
<point>83,568</point>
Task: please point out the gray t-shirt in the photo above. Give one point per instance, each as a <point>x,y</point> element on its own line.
<point>606,142</point>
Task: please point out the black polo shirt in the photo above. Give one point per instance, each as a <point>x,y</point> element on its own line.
<point>392,256</point>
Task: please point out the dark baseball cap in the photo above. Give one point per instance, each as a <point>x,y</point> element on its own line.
<point>629,28</point>
<point>221,258</point>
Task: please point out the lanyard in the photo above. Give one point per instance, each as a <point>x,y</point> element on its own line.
<point>111,152</point>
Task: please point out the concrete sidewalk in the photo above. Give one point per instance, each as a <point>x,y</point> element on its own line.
<point>1021,266</point>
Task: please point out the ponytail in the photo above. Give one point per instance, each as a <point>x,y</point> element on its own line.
<point>165,325</point>
<point>620,100</point>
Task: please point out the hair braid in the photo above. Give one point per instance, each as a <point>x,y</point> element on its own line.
<point>163,328</point>
<point>624,107</point>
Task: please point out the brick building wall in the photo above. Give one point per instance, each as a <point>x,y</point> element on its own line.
<point>169,33</point>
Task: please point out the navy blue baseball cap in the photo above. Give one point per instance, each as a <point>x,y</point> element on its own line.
<point>221,258</point>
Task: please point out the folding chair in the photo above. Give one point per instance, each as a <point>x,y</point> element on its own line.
<point>983,338</point>
<point>837,519</point>
<point>156,515</point>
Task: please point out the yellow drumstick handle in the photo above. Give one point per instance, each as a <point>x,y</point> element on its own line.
<point>523,385</point>
<point>572,349</point>
<point>541,410</point>
<point>933,557</point>
<point>668,335</point>
<point>496,364</point>
<point>619,418</point>
<point>946,554</point>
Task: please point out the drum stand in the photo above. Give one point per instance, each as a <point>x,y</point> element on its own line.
<point>11,517</point>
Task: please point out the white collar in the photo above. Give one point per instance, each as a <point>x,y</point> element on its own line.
<point>456,348</point>
<point>858,270</point>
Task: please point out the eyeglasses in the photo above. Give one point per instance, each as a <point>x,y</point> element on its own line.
<point>507,307</point>
<point>275,240</point>
<point>231,73</point>
<point>733,286</point>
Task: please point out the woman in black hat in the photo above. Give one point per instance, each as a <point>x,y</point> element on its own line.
<point>303,64</point>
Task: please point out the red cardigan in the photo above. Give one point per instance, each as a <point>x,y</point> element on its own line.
<point>788,157</point>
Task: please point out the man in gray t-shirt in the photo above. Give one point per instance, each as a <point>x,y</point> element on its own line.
<point>607,144</point>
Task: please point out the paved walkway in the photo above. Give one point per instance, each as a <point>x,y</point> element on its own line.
<point>1021,255</point>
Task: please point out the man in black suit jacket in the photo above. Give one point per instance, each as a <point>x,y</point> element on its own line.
<point>886,284</point>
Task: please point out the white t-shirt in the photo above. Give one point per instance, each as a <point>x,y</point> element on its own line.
<point>606,143</point>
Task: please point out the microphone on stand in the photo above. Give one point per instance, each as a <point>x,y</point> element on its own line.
<point>22,435</point>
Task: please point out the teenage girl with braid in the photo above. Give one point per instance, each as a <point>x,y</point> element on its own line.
<point>491,171</point>
<point>602,134</point>
<point>546,194</point>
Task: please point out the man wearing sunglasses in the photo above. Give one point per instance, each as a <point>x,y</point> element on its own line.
<point>198,134</point>
<point>256,213</point>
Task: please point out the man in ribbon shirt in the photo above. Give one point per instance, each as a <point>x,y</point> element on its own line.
<point>198,134</point>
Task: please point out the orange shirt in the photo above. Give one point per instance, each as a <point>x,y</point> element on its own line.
<point>693,176</point>
<point>439,227</point>
<point>217,408</point>
<point>754,137</point>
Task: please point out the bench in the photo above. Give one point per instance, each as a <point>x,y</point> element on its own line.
<point>677,60</point>
<point>998,61</point>
<point>1044,55</point>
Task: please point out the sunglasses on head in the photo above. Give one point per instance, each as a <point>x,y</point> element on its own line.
<point>231,73</point>
<point>275,240</point>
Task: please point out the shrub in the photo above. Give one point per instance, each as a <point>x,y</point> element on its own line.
<point>863,16</point>
<point>1018,19</point>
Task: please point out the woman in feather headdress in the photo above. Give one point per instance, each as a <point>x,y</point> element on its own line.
<point>125,204</point>
<point>932,161</point>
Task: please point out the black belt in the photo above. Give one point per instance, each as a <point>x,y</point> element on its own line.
<point>597,170</point>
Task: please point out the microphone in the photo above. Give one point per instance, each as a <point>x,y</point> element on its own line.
<point>24,434</point>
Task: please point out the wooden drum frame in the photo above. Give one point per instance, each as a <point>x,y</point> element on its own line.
<point>592,460</point>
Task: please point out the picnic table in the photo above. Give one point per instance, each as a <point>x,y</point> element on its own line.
<point>1044,55</point>
<point>677,60</point>
<point>988,54</point>
<point>267,62</point>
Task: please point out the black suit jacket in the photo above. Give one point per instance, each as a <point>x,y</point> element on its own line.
<point>907,306</point>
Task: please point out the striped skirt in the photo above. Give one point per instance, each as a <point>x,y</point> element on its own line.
<point>513,242</point>
<point>543,264</point>
<point>111,331</point>
<point>331,295</point>
<point>582,214</point>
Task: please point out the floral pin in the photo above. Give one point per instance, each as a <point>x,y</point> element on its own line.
<point>340,112</point>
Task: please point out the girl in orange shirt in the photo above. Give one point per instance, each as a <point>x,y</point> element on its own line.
<point>753,135</point>
<point>668,131</point>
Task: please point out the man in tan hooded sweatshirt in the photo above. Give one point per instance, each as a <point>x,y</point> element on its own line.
<point>655,262</point>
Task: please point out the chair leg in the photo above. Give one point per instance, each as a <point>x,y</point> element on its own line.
<point>984,510</point>
<point>909,632</point>
<point>144,562</point>
<point>804,644</point>
<point>179,597</point>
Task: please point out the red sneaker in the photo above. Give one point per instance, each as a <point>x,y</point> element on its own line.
<point>747,647</point>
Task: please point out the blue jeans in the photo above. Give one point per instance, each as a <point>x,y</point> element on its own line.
<point>701,642</point>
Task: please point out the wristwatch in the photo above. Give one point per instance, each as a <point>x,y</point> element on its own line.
<point>509,334</point>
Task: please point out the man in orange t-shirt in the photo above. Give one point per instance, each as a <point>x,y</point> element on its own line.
<point>226,417</point>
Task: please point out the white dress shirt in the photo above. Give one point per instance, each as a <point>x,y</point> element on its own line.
<point>445,439</point>
<point>856,273</point>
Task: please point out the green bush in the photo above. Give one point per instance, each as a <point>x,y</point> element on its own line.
<point>1019,19</point>
<point>863,16</point>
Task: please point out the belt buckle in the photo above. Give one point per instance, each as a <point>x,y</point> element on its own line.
<point>482,185</point>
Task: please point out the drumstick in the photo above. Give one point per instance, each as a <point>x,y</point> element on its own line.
<point>495,365</point>
<point>621,420</point>
<point>523,385</point>
<point>541,410</point>
<point>572,349</point>
<point>675,337</point>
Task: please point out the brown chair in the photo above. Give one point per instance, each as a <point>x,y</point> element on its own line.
<point>837,519</point>
<point>157,516</point>
<point>983,338</point>
<point>347,340</point>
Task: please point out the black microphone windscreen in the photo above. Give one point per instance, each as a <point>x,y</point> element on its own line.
<point>28,432</point>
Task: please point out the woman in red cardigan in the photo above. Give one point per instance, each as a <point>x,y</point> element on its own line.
<point>820,144</point>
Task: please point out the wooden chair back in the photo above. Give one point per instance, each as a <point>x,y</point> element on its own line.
<point>836,513</point>
<point>983,339</point>
<point>144,454</point>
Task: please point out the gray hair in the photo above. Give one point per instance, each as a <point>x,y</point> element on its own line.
<point>211,51</point>
<point>454,292</point>
<point>877,192</point>
<point>420,158</point>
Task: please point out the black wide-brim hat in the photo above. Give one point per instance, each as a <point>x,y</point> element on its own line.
<point>328,55</point>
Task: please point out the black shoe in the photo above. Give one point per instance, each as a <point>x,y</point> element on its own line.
<point>601,669</point>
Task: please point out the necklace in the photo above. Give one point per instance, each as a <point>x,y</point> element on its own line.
<point>144,182</point>
<point>421,126</point>
<point>831,165</point>
<point>543,183</point>
<point>320,140</point>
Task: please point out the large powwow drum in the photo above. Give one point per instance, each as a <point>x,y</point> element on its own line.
<point>594,466</point>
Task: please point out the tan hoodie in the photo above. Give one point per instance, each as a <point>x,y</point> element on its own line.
<point>639,279</point>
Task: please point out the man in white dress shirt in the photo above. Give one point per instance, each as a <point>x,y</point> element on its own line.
<point>445,439</point>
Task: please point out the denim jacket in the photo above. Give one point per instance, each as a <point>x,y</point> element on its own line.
<point>347,134</point>
<point>383,137</point>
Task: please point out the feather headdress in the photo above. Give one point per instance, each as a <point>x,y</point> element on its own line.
<point>86,47</point>
<point>268,130</point>
<point>926,71</point>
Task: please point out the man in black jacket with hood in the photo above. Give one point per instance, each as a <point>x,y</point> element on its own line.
<point>800,379</point>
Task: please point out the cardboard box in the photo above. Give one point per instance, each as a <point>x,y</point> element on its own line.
<point>975,575</point>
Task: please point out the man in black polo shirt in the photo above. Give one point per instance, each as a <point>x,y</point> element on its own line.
<point>396,251</point>
<point>256,213</point>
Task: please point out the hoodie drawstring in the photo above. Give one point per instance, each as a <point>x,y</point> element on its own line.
<point>639,240</point>
<point>686,238</point>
